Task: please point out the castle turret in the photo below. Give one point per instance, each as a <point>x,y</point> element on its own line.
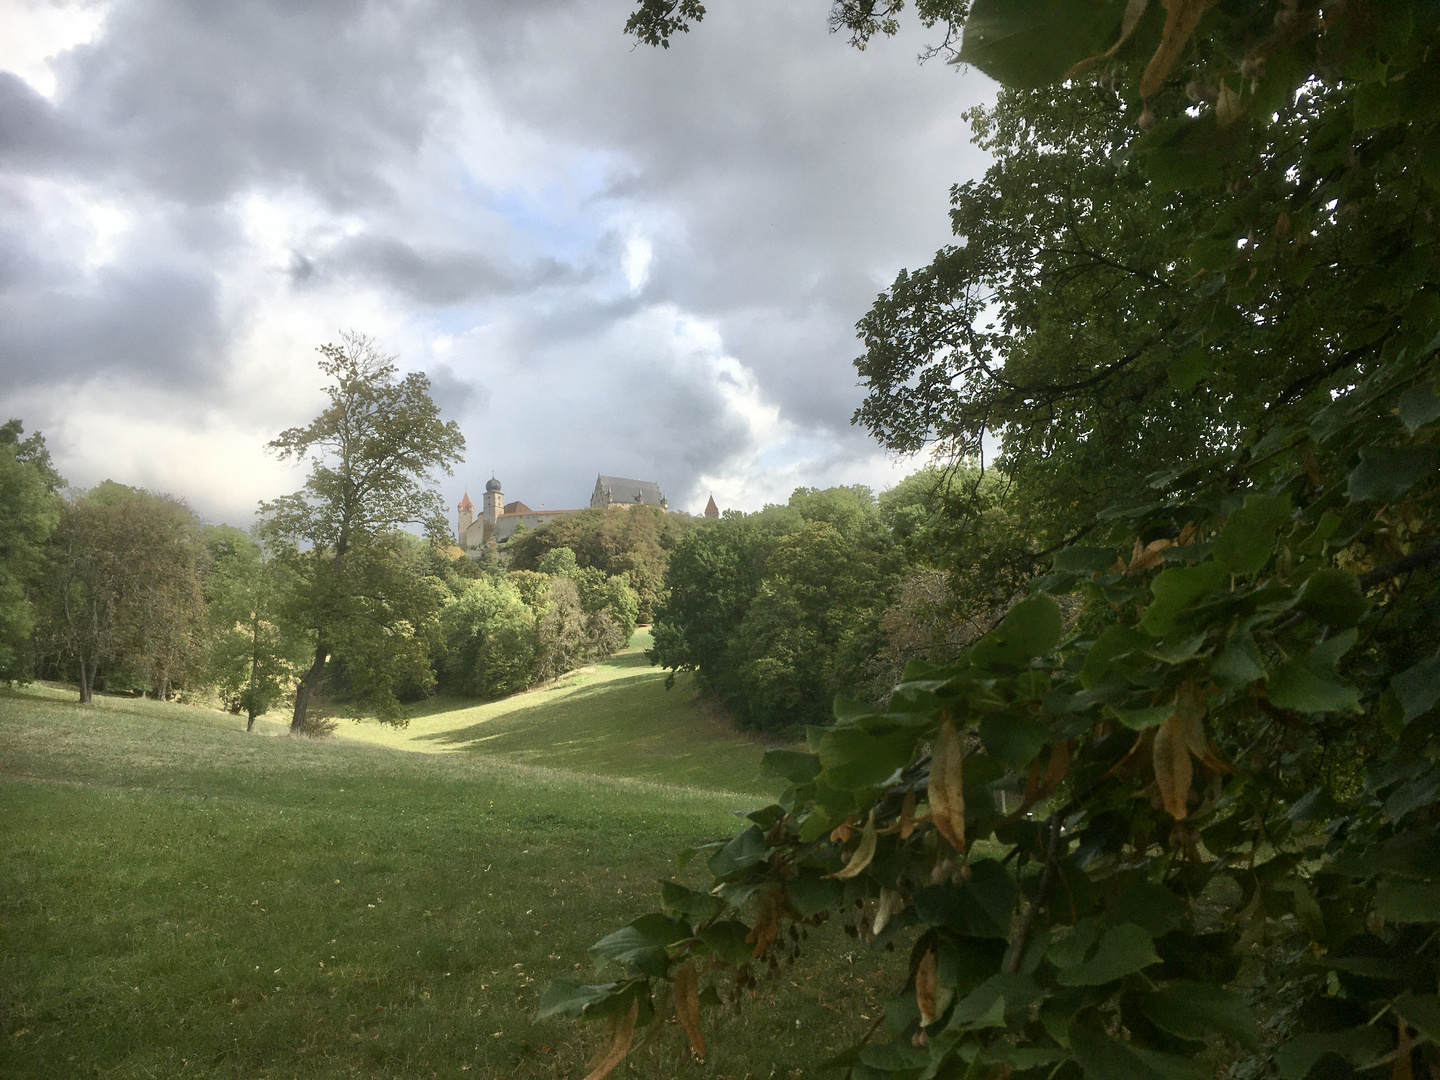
<point>467,518</point>
<point>494,503</point>
<point>711,510</point>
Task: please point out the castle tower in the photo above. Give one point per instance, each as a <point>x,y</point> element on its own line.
<point>711,510</point>
<point>494,502</point>
<point>467,517</point>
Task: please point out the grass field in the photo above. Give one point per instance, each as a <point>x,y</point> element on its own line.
<point>181,899</point>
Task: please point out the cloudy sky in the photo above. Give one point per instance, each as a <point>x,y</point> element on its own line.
<point>607,258</point>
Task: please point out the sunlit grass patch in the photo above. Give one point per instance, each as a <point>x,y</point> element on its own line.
<point>179,898</point>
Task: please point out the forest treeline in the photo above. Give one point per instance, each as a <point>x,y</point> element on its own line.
<point>126,591</point>
<point>123,590</point>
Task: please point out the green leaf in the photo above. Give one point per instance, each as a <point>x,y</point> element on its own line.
<point>726,939</point>
<point>1069,947</point>
<point>1386,473</point>
<point>1140,719</point>
<point>570,997</point>
<point>642,944</point>
<point>987,1004</point>
<point>855,758</point>
<point>1418,687</point>
<point>1333,597</point>
<point>1190,1010</point>
<point>682,901</point>
<point>1084,560</point>
<point>1422,1011</point>
<point>1030,43</point>
<point>1418,406</point>
<point>1104,1058</point>
<point>1146,904</point>
<point>1115,642</point>
<point>1244,546</point>
<point>1123,950</point>
<point>1183,154</point>
<point>1031,628</point>
<point>792,765</point>
<point>1238,665</point>
<point>1176,589</point>
<point>1186,371</point>
<point>745,850</point>
<point>1408,902</point>
<point>811,893</point>
<point>1294,685</point>
<point>980,907</point>
<point>1012,738</point>
<point>1359,1046</point>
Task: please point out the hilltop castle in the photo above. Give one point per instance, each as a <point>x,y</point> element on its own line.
<point>498,520</point>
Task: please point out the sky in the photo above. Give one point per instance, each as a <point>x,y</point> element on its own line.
<point>608,258</point>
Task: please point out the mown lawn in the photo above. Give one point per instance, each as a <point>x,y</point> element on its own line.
<point>179,899</point>
<point>615,718</point>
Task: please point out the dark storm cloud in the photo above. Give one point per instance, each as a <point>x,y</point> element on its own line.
<point>455,396</point>
<point>198,101</point>
<point>436,277</point>
<point>156,319</point>
<point>31,134</point>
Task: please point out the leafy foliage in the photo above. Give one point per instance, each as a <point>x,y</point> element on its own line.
<point>634,543</point>
<point>29,512</point>
<point>376,446</point>
<point>253,658</point>
<point>1197,821</point>
<point>121,597</point>
<point>780,610</point>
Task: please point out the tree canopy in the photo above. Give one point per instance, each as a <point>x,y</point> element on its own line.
<point>375,451</point>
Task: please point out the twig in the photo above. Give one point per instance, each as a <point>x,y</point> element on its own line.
<point>1017,940</point>
<point>1395,567</point>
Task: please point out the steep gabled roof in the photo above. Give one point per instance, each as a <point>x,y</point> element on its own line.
<point>623,489</point>
<point>465,503</point>
<point>711,510</point>
<point>517,507</point>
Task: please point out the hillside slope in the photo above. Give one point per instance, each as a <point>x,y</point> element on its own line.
<point>614,718</point>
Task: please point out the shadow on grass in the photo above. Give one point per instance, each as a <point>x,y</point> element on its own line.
<point>581,702</point>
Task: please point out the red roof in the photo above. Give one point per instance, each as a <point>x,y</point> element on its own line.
<point>711,510</point>
<point>465,503</point>
<point>517,507</point>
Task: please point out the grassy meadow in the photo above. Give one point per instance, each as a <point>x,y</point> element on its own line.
<point>181,899</point>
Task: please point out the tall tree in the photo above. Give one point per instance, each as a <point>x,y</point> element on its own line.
<point>29,511</point>
<point>122,592</point>
<point>252,656</point>
<point>375,451</point>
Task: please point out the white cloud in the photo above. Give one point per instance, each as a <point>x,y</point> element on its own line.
<point>38,31</point>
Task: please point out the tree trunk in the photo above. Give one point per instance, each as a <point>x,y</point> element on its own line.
<point>87,679</point>
<point>307,685</point>
<point>254,670</point>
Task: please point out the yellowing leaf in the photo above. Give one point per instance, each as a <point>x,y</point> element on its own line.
<point>926,980</point>
<point>947,786</point>
<point>687,1006</point>
<point>622,1031</point>
<point>1190,703</point>
<point>767,911</point>
<point>1055,771</point>
<point>862,855</point>
<point>891,901</point>
<point>907,815</point>
<point>1173,770</point>
<point>1181,18</point>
